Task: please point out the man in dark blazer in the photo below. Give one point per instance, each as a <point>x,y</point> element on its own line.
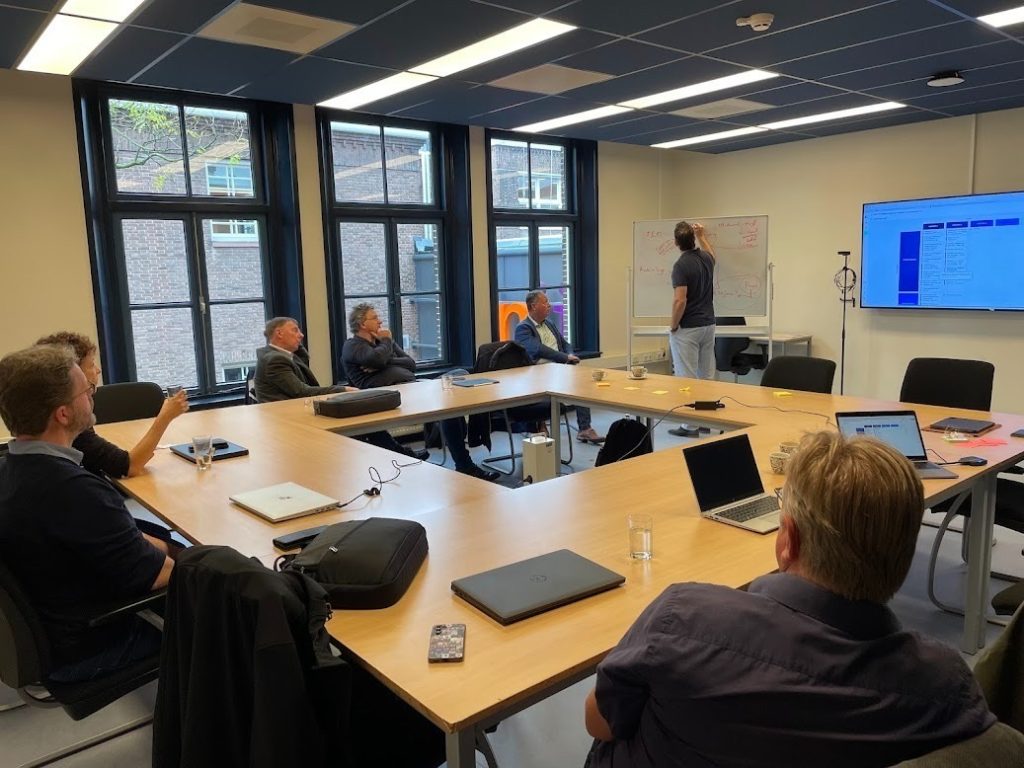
<point>283,373</point>
<point>544,343</point>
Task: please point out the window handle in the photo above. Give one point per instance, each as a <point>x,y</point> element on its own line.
<point>202,305</point>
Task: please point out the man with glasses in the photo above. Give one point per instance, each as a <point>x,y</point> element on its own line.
<point>65,534</point>
<point>808,666</point>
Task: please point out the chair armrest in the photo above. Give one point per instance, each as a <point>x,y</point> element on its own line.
<point>117,611</point>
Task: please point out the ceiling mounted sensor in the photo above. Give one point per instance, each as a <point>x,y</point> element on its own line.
<point>945,79</point>
<point>759,22</point>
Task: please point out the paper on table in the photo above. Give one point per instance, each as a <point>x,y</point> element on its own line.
<point>660,392</point>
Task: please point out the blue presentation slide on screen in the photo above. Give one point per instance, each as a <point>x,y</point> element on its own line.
<point>958,252</point>
<point>898,430</point>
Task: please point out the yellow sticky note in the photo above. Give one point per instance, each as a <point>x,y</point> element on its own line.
<point>684,389</point>
<point>632,388</point>
<point>782,394</point>
<point>604,384</point>
<point>660,392</point>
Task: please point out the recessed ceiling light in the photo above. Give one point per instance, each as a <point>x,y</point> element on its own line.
<point>578,117</point>
<point>710,137</point>
<point>64,44</point>
<point>107,10</point>
<point>389,86</point>
<point>697,89</point>
<point>1004,18</point>
<point>945,79</point>
<point>494,47</point>
<point>837,115</point>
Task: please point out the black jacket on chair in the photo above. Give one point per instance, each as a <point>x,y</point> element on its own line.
<point>246,673</point>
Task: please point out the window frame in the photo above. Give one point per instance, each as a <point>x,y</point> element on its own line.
<point>273,205</point>
<point>579,215</point>
<point>449,211</point>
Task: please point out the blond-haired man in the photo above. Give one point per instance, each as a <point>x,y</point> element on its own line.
<point>808,667</point>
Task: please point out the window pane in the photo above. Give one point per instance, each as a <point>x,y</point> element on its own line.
<point>220,163</point>
<point>164,346</point>
<point>363,262</point>
<point>554,255</point>
<point>146,141</point>
<point>409,166</point>
<point>547,176</point>
<point>421,327</point>
<point>379,303</point>
<point>156,261</point>
<point>511,311</point>
<point>355,152</point>
<point>513,256</point>
<point>510,182</point>
<point>560,310</point>
<point>237,334</point>
<point>234,267</point>
<point>418,257</point>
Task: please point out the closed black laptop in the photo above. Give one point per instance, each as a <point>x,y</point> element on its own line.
<point>520,590</point>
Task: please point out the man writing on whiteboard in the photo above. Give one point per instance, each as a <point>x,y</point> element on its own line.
<point>692,337</point>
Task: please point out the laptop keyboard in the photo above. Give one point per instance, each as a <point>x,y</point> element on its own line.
<point>751,509</point>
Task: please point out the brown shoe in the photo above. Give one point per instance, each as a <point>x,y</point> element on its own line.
<point>588,435</point>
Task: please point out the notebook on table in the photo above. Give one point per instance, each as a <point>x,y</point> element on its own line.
<point>284,501</point>
<point>515,592</point>
<point>728,486</point>
<point>476,382</point>
<point>898,429</point>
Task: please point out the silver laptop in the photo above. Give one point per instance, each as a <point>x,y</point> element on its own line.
<point>284,501</point>
<point>728,485</point>
<point>520,590</point>
<point>900,430</point>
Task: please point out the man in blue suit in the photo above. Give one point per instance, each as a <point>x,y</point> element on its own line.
<point>544,343</point>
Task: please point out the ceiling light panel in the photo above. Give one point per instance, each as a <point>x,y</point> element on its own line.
<point>389,86</point>
<point>1004,18</point>
<point>837,115</point>
<point>698,89</point>
<point>710,137</point>
<point>65,43</point>
<point>494,47</point>
<point>577,117</point>
<point>107,10</point>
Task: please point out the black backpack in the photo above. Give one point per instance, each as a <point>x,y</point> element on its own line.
<point>626,439</point>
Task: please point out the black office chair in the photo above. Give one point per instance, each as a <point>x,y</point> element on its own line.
<point>729,354</point>
<point>25,664</point>
<point>954,383</point>
<point>127,401</point>
<point>501,356</point>
<point>250,388</point>
<point>806,374</point>
<point>948,382</point>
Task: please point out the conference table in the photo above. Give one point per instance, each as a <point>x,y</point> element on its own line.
<point>473,525</point>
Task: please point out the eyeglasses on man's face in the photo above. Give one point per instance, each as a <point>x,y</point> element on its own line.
<point>91,389</point>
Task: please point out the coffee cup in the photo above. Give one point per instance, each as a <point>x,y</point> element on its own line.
<point>638,371</point>
<point>788,446</point>
<point>778,461</point>
<point>597,374</point>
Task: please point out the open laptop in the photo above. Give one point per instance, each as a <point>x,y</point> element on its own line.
<point>284,501</point>
<point>900,430</point>
<point>520,590</point>
<point>728,485</point>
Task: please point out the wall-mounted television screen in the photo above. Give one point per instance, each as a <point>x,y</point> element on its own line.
<point>944,253</point>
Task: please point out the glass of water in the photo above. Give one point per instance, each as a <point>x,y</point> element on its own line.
<point>173,389</point>
<point>641,536</point>
<point>202,449</point>
<point>446,382</point>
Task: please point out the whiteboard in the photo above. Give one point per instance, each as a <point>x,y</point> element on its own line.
<point>741,265</point>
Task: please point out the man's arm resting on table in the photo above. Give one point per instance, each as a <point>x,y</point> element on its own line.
<point>678,306</point>
<point>281,375</point>
<point>597,726</point>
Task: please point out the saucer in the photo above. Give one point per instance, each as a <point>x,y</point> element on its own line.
<point>635,378</point>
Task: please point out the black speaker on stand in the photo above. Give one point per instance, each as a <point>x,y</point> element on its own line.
<point>845,280</point>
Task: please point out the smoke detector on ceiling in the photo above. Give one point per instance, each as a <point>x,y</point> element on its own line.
<point>759,22</point>
<point>945,79</point>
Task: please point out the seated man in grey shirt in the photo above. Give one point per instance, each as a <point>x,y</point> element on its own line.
<point>809,667</point>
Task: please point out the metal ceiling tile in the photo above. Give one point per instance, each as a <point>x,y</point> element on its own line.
<point>36,5</point>
<point>311,80</point>
<point>210,66</point>
<point>421,31</point>
<point>17,29</point>
<point>635,127</point>
<point>179,15</point>
<point>666,77</point>
<point>129,52</point>
<point>352,12</point>
<point>807,108</point>
<point>553,50</point>
<point>461,106</point>
<point>755,141</point>
<point>613,16</point>
<point>621,57</point>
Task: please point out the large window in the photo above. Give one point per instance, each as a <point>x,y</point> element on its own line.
<point>388,233</point>
<point>181,204</point>
<point>537,226</point>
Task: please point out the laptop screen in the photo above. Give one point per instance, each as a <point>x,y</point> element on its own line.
<point>722,471</point>
<point>897,428</point>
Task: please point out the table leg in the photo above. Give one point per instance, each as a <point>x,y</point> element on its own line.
<point>460,749</point>
<point>556,435</point>
<point>979,562</point>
